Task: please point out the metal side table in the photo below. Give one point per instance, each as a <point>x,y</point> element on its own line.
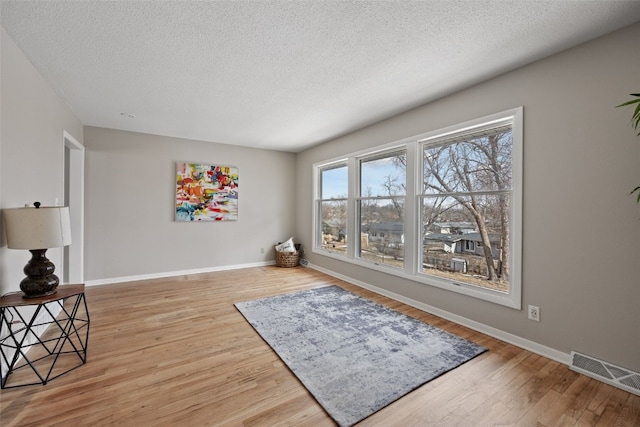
<point>47,343</point>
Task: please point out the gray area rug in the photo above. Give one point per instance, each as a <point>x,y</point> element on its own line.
<point>354,356</point>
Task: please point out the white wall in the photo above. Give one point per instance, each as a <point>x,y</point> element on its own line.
<point>130,205</point>
<point>581,228</point>
<point>33,119</point>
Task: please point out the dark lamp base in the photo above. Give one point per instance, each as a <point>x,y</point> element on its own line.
<point>40,280</point>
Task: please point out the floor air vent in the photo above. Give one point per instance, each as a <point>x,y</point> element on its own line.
<point>616,376</point>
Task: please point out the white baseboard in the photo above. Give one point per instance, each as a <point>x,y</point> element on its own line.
<point>526,344</point>
<point>136,278</point>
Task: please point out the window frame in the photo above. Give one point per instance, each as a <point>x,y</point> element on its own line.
<point>413,206</point>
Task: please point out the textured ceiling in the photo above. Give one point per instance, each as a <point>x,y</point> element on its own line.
<point>285,75</point>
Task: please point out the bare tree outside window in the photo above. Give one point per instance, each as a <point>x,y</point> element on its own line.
<point>465,208</point>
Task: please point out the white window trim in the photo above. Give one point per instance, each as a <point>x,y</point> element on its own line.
<point>512,299</point>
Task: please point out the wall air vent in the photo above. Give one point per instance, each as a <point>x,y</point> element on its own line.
<point>616,376</point>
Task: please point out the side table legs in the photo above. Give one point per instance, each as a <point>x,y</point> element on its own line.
<point>36,359</point>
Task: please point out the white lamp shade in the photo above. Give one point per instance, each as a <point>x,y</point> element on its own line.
<point>41,228</point>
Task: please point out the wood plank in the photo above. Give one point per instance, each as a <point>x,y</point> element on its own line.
<point>175,351</point>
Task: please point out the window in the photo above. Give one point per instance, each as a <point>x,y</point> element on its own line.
<point>467,179</point>
<point>381,204</point>
<point>332,208</point>
<point>442,208</point>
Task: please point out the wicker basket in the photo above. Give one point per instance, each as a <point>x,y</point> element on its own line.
<point>289,259</point>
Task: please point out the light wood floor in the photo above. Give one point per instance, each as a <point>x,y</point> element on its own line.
<point>175,352</point>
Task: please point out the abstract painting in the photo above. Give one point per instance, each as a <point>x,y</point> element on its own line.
<point>206,192</point>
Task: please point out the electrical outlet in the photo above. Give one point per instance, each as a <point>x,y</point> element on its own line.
<point>534,313</point>
<point>261,250</point>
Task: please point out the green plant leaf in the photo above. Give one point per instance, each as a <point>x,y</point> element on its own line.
<point>635,121</point>
<point>635,117</point>
<point>624,104</point>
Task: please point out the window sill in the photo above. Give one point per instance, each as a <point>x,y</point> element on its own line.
<point>510,300</point>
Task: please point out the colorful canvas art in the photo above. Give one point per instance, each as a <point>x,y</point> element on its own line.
<point>206,192</point>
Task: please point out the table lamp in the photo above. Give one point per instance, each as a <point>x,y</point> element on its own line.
<point>38,229</point>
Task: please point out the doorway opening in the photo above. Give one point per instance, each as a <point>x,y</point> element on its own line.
<point>73,256</point>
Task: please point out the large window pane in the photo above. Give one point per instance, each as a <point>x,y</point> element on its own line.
<point>466,216</point>
<point>381,206</point>
<point>332,208</point>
